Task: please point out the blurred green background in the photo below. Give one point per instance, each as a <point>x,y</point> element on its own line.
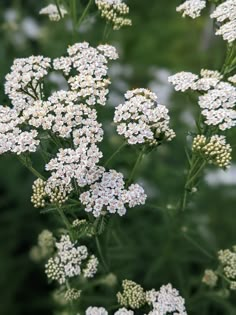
<point>153,249</point>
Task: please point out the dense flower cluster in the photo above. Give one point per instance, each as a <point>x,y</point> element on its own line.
<point>68,261</point>
<point>90,64</point>
<point>142,120</point>
<point>91,267</point>
<point>64,115</point>
<point>78,164</point>
<point>133,295</point>
<point>191,8</point>
<point>93,310</point>
<point>53,13</point>
<point>228,260</point>
<point>12,137</point>
<point>109,195</point>
<point>166,300</point>
<point>114,11</point>
<point>225,13</point>
<point>218,97</point>
<point>215,150</point>
<point>48,190</point>
<point>24,82</point>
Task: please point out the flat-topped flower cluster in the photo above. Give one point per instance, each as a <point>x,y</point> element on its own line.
<point>218,97</point>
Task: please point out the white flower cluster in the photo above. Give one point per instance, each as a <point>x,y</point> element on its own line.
<point>68,261</point>
<point>90,64</point>
<point>93,310</point>
<point>44,247</point>
<point>91,267</point>
<point>142,120</point>
<point>114,11</point>
<point>215,150</point>
<point>191,8</point>
<point>64,115</point>
<point>109,195</point>
<point>228,260</point>
<point>52,11</point>
<point>78,164</point>
<point>24,82</point>
<point>166,300</point>
<point>218,97</point>
<point>12,137</point>
<point>225,13</point>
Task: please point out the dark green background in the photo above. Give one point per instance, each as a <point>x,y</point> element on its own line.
<point>154,248</point>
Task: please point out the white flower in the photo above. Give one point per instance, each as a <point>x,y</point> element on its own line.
<point>52,11</point>
<point>109,195</point>
<point>166,300</point>
<point>12,137</point>
<point>225,13</point>
<point>91,268</point>
<point>232,79</point>
<point>64,115</point>
<point>78,164</point>
<point>90,65</point>
<point>218,100</point>
<point>68,261</point>
<point>191,8</point>
<point>93,310</point>
<point>183,81</point>
<point>114,11</point>
<point>123,311</point>
<point>141,119</point>
<point>24,82</point>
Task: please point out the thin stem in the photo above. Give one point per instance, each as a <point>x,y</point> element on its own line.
<point>65,221</point>
<point>31,168</point>
<point>115,153</point>
<point>84,13</point>
<point>101,254</point>
<point>193,242</point>
<point>58,8</point>
<point>136,165</point>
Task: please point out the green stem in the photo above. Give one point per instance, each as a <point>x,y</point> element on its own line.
<point>31,168</point>
<point>136,165</point>
<point>193,242</point>
<point>65,221</point>
<point>84,12</point>
<point>58,8</point>
<point>106,268</point>
<point>115,153</point>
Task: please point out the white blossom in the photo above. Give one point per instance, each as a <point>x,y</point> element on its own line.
<point>78,164</point>
<point>67,262</point>
<point>23,83</point>
<point>114,11</point>
<point>191,8</point>
<point>141,119</point>
<point>225,13</point>
<point>218,99</point>
<point>91,268</point>
<point>183,81</point>
<point>109,195</point>
<point>12,137</point>
<point>65,116</point>
<point>52,11</point>
<point>166,300</point>
<point>93,310</point>
<point>232,79</point>
<point>124,311</point>
<point>90,64</point>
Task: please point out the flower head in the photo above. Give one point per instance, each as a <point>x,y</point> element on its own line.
<point>52,11</point>
<point>142,120</point>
